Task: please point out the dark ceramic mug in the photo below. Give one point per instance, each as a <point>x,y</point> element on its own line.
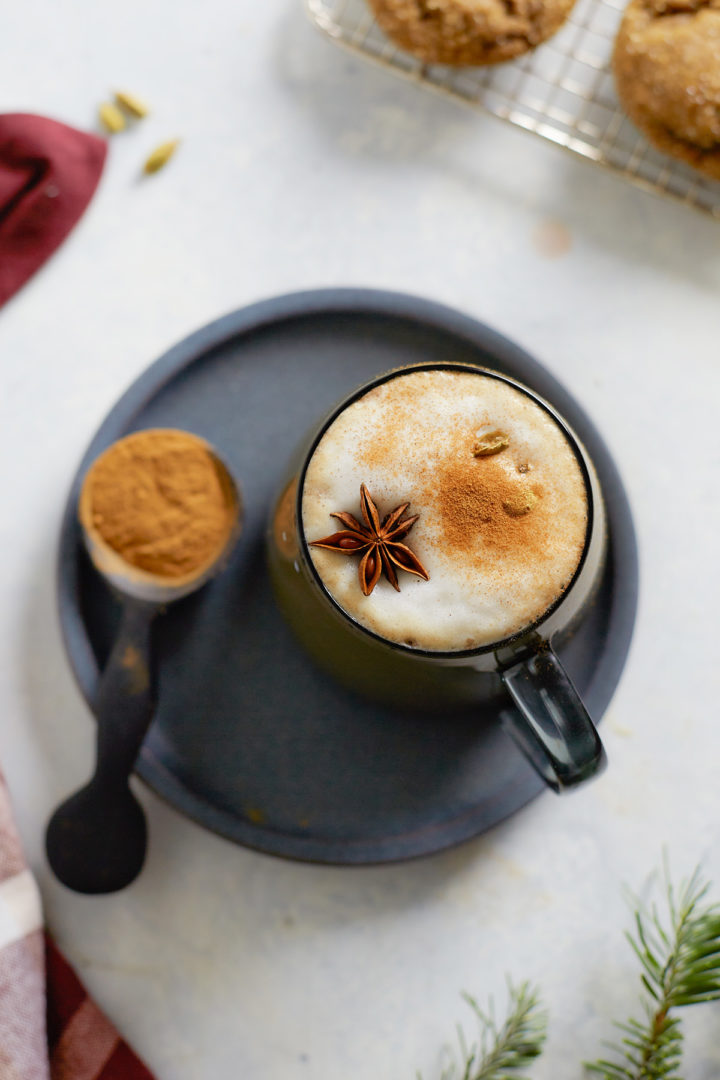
<point>549,722</point>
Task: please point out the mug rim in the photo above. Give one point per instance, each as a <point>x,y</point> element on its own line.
<point>501,643</point>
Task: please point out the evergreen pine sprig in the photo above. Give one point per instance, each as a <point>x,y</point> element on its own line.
<point>680,958</point>
<point>503,1052</point>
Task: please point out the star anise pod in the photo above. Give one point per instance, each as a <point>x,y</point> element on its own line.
<point>378,543</point>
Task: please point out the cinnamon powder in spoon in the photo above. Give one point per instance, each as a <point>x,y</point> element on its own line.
<point>161,500</point>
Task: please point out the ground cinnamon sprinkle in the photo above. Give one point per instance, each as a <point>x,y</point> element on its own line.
<point>478,499</point>
<point>161,500</point>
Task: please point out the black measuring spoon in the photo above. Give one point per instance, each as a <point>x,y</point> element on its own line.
<point>96,840</point>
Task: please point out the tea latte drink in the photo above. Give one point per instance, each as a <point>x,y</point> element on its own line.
<point>498,491</point>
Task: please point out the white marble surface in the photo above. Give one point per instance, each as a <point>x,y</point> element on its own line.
<point>301,166</point>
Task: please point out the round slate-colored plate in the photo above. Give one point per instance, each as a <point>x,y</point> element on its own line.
<point>250,739</point>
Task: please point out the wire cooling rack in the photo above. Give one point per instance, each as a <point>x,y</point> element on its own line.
<point>562,91</point>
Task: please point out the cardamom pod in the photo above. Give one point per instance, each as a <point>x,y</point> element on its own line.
<point>491,443</point>
<point>111,118</point>
<point>520,504</point>
<point>161,155</point>
<point>131,104</point>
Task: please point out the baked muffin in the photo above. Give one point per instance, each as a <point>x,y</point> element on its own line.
<point>470,32</point>
<point>667,71</point>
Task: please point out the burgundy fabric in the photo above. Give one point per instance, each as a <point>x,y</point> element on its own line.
<point>48,173</point>
<point>81,1041</point>
<point>65,993</point>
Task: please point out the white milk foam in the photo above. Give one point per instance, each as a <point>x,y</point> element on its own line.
<point>494,565</point>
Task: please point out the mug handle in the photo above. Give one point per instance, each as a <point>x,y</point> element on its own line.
<point>550,724</point>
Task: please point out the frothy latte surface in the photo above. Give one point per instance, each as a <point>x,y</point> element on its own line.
<point>500,496</point>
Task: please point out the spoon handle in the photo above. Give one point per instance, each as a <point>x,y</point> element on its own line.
<point>97,838</point>
<point>125,701</point>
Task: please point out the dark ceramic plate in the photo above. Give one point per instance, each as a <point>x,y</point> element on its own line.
<point>250,739</point>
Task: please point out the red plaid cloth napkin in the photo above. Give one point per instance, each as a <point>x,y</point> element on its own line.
<point>49,1027</point>
<point>48,173</point>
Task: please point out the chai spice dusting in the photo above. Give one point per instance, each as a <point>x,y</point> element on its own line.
<point>473,498</point>
<point>161,500</point>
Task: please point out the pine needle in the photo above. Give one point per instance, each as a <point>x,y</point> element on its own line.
<point>502,1052</point>
<point>680,960</point>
